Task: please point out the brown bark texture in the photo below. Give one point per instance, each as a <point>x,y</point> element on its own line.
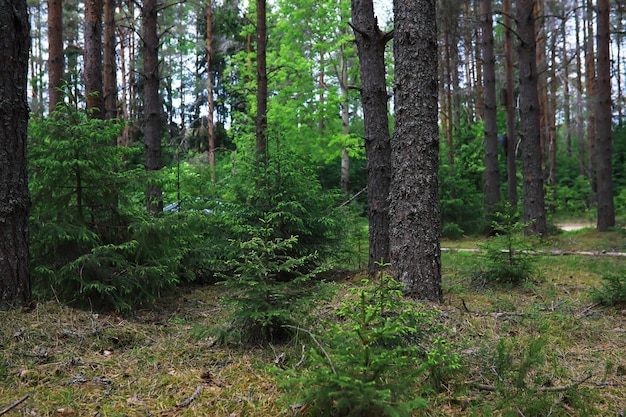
<point>55,52</point>
<point>261,77</point>
<point>534,207</point>
<point>492,172</point>
<point>14,196</point>
<point>414,200</point>
<point>604,123</point>
<point>93,58</point>
<point>209,45</point>
<point>152,104</point>
<point>110,63</point>
<point>511,136</point>
<point>371,41</point>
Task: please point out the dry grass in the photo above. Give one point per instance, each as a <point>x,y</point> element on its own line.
<point>77,363</point>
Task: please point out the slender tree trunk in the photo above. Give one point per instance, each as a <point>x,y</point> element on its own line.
<point>345,122</point>
<point>93,58</point>
<point>580,125</point>
<point>110,62</point>
<point>15,288</point>
<point>371,43</point>
<point>590,84</point>
<point>55,52</point>
<point>261,74</point>
<point>566,89</point>
<point>534,207</point>
<point>209,55</point>
<point>511,136</point>
<point>152,104</point>
<point>414,211</point>
<point>604,120</point>
<point>492,172</point>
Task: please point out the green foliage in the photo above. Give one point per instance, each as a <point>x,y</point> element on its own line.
<point>91,242</point>
<point>263,302</point>
<point>373,359</point>
<point>613,290</point>
<point>506,257</point>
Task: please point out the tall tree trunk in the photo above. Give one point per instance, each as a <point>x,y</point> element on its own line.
<point>152,104</point>
<point>414,210</point>
<point>604,112</point>
<point>590,84</point>
<point>580,125</point>
<point>534,207</point>
<point>345,122</point>
<point>55,52</point>
<point>209,57</point>
<point>110,63</point>
<point>492,172</point>
<point>14,198</point>
<point>511,136</point>
<point>566,89</point>
<point>93,58</point>
<point>261,76</point>
<point>371,43</point>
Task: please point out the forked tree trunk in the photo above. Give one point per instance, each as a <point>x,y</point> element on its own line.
<point>371,43</point>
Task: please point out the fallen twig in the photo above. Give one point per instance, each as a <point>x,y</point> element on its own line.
<point>560,388</point>
<point>192,397</point>
<point>15,404</point>
<point>319,345</point>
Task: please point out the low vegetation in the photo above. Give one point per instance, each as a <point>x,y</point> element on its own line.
<point>543,347</point>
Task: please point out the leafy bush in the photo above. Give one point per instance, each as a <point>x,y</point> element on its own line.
<point>613,290</point>
<point>263,303</point>
<point>374,359</point>
<point>506,257</point>
<point>92,243</point>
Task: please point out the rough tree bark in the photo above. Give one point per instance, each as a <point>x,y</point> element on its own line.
<point>534,207</point>
<point>93,58</point>
<point>492,172</point>
<point>511,136</point>
<point>55,52</point>
<point>209,57</point>
<point>604,123</point>
<point>414,200</point>
<point>371,41</point>
<point>261,76</point>
<point>14,197</point>
<point>152,104</point>
<point>110,63</point>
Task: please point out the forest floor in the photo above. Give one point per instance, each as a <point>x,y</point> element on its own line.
<point>544,348</point>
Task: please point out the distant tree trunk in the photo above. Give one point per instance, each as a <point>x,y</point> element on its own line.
<point>261,76</point>
<point>110,63</point>
<point>93,58</point>
<point>566,90</point>
<point>590,84</point>
<point>511,136</point>
<point>14,198</point>
<point>604,149</point>
<point>492,172</point>
<point>55,52</point>
<point>414,210</point>
<point>152,104</point>
<point>345,122</point>
<point>580,125</point>
<point>371,43</point>
<point>534,207</point>
<point>209,57</point>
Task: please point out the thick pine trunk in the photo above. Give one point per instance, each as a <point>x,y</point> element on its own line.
<point>534,207</point>
<point>55,52</point>
<point>261,77</point>
<point>371,43</point>
<point>14,197</point>
<point>110,63</point>
<point>93,58</point>
<point>492,172</point>
<point>511,136</point>
<point>604,113</point>
<point>414,200</point>
<point>152,105</point>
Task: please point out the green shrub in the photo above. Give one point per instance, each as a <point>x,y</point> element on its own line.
<point>506,255</point>
<point>374,359</point>
<point>263,302</point>
<point>613,290</point>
